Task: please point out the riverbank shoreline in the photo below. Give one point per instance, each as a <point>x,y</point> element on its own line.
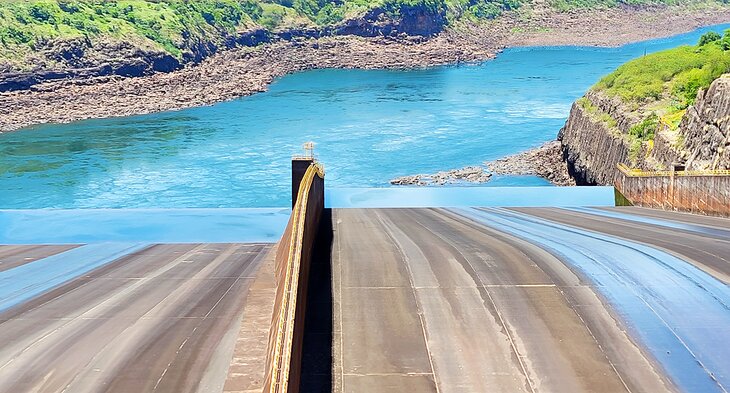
<point>244,71</point>
<point>545,161</point>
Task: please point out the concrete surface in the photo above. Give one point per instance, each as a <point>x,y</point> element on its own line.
<point>248,363</point>
<point>702,241</point>
<point>468,300</point>
<point>676,311</point>
<point>164,318</point>
<point>14,256</point>
<point>421,300</point>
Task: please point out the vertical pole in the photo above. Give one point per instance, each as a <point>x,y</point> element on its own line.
<point>298,168</point>
<point>672,198</point>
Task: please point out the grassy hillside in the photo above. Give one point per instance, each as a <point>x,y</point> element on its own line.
<point>660,86</point>
<point>676,73</point>
<point>30,24</point>
<point>34,33</point>
<point>164,22</point>
<point>27,27</point>
<point>656,89</point>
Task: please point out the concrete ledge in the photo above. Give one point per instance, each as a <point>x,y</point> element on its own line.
<point>248,365</point>
<point>414,197</point>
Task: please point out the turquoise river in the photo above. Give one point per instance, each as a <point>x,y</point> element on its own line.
<point>369,126</point>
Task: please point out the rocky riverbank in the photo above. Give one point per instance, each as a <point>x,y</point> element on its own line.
<point>470,174</point>
<point>544,161</point>
<point>246,70</point>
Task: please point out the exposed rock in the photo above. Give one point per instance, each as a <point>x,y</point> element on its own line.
<point>50,93</point>
<point>80,59</point>
<point>83,58</point>
<point>471,174</point>
<point>706,127</point>
<point>254,37</point>
<point>592,149</point>
<point>231,74</point>
<point>70,52</point>
<point>544,161</point>
<point>411,21</point>
<point>413,180</point>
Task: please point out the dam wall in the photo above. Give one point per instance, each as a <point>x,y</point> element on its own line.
<point>292,264</point>
<point>699,192</point>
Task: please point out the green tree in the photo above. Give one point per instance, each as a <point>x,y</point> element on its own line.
<point>708,37</point>
<point>725,42</point>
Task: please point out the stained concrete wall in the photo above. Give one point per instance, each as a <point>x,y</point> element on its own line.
<point>709,195</point>
<point>311,214</point>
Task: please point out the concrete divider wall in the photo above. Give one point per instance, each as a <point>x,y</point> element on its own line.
<point>709,195</point>
<point>293,262</point>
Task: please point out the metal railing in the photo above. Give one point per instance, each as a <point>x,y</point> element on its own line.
<point>282,346</point>
<point>641,173</point>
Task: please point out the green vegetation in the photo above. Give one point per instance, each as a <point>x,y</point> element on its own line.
<point>475,10</point>
<point>176,26</point>
<point>620,199</point>
<point>165,24</point>
<point>659,87</point>
<point>709,37</point>
<point>598,114</point>
<point>31,24</point>
<point>646,130</point>
<point>675,75</point>
<point>641,133</point>
<point>172,26</point>
<point>674,118</point>
<point>586,104</point>
<point>634,150</point>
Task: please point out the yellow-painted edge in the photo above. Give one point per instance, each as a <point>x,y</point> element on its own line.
<point>281,361</point>
<point>639,173</point>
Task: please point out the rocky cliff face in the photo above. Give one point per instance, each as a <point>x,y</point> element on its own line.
<point>706,127</point>
<point>82,58</point>
<point>596,138</point>
<point>590,149</point>
<point>411,21</point>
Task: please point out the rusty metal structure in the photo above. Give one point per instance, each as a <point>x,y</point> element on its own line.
<point>701,192</point>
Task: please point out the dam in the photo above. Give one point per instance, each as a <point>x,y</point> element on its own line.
<point>438,290</point>
<point>154,238</point>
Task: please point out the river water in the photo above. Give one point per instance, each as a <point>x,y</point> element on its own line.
<point>369,126</point>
